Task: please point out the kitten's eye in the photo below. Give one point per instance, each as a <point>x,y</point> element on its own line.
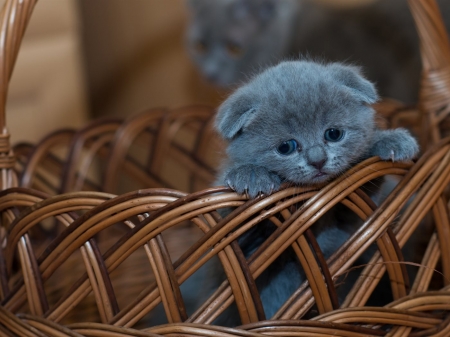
<point>333,135</point>
<point>233,49</point>
<point>287,147</point>
<point>200,47</point>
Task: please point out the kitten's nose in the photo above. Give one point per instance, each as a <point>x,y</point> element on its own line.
<point>318,164</point>
<point>316,157</point>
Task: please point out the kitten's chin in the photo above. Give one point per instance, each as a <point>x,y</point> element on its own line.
<point>218,81</point>
<point>320,178</point>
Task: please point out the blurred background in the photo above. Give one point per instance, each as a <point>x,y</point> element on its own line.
<point>89,58</point>
<point>83,59</point>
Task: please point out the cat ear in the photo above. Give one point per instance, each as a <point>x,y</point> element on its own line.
<point>351,77</point>
<point>235,114</point>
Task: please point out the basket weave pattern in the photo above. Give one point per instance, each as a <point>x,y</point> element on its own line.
<point>80,257</point>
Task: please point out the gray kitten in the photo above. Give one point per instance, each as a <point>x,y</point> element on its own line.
<point>304,123</point>
<point>230,40</point>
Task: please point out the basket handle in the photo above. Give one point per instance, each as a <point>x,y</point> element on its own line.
<point>14,18</point>
<point>434,95</point>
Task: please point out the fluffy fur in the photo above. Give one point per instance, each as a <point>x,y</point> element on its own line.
<point>231,39</point>
<point>301,101</point>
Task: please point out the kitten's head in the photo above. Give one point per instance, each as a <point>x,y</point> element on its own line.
<point>306,121</point>
<point>230,39</point>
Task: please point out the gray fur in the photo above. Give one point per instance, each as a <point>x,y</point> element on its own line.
<point>246,24</point>
<point>395,145</point>
<point>300,100</point>
<point>380,36</point>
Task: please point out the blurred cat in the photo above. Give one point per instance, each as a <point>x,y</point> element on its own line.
<point>304,123</point>
<point>230,40</point>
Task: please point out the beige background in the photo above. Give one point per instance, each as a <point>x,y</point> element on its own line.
<point>136,58</point>
<point>47,89</point>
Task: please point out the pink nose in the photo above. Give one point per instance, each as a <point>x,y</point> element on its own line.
<point>318,164</point>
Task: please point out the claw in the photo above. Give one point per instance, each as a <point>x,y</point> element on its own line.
<point>229,184</point>
<point>392,155</point>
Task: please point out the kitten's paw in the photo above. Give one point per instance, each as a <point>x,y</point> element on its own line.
<point>252,180</point>
<point>395,145</point>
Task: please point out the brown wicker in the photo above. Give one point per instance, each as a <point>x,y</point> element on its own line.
<point>435,49</point>
<point>78,260</point>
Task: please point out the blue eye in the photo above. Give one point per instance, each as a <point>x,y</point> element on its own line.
<point>333,135</point>
<point>287,147</point>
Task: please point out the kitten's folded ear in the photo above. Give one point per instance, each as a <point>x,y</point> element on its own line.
<point>351,77</point>
<point>235,114</point>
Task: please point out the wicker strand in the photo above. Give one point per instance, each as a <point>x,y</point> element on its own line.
<point>14,18</point>
<point>434,96</point>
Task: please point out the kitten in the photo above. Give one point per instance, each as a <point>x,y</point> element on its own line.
<point>231,39</point>
<point>304,123</point>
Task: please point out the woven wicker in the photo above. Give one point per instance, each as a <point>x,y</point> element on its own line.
<point>85,252</point>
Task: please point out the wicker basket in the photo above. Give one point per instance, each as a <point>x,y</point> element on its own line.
<point>78,260</point>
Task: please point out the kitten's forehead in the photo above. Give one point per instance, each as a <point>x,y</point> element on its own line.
<point>304,97</point>
<point>304,83</point>
<point>207,21</point>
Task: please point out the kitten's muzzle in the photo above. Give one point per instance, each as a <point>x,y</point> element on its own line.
<point>316,157</point>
